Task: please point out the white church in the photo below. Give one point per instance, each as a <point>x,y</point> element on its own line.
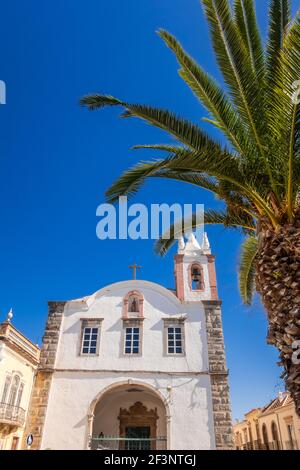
<point>136,365</point>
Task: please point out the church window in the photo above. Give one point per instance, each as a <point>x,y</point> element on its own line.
<point>90,340</point>
<point>132,340</point>
<point>90,337</point>
<point>175,340</point>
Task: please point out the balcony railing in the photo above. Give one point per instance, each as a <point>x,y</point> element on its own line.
<point>291,445</point>
<point>274,445</point>
<point>258,445</point>
<point>127,443</point>
<point>13,415</point>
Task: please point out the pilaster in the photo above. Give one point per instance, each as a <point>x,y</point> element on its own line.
<point>41,388</point>
<point>219,376</point>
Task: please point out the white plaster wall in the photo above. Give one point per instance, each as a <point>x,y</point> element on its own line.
<point>191,421</point>
<point>159,303</point>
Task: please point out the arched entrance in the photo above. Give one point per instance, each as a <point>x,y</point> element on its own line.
<point>129,417</point>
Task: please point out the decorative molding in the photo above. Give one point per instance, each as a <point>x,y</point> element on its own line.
<point>138,415</point>
<point>139,313</point>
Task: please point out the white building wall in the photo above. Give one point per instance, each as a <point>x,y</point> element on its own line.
<point>107,304</point>
<point>189,402</point>
<point>77,379</point>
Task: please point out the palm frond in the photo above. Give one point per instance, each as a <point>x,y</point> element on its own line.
<point>211,217</point>
<point>244,87</point>
<point>247,269</point>
<point>279,14</point>
<point>283,115</point>
<point>185,131</point>
<point>246,21</point>
<point>162,147</point>
<point>290,65</point>
<point>210,94</point>
<point>221,164</point>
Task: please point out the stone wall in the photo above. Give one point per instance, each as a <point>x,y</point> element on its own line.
<point>41,388</point>
<point>219,376</point>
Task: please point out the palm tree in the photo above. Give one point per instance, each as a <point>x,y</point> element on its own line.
<point>257,172</point>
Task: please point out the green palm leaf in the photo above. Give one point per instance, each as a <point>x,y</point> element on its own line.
<point>244,87</point>
<point>246,21</point>
<point>211,217</point>
<point>183,130</point>
<point>247,268</point>
<point>279,14</point>
<point>210,94</point>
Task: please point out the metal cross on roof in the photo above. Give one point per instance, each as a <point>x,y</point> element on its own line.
<point>134,267</point>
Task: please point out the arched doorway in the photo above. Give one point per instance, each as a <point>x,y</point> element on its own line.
<point>129,417</point>
<point>275,437</point>
<point>265,437</point>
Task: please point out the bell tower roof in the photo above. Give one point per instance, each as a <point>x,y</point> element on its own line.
<point>192,246</point>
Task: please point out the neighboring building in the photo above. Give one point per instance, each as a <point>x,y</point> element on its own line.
<point>19,358</point>
<point>274,427</point>
<point>136,365</point>
<point>247,433</point>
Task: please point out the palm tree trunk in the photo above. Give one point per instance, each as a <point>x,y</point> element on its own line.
<point>278,281</point>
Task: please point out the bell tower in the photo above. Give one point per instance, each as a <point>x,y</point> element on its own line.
<point>195,274</point>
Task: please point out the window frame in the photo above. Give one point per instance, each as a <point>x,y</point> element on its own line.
<point>13,391</point>
<point>132,323</point>
<point>90,323</point>
<point>174,323</point>
<point>6,388</point>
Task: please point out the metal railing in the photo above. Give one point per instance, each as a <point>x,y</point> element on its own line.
<point>291,445</point>
<point>274,445</point>
<point>127,443</point>
<point>258,445</point>
<point>12,414</point>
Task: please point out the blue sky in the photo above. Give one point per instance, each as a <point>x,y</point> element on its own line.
<point>57,159</point>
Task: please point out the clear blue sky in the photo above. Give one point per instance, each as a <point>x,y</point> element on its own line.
<point>57,159</point>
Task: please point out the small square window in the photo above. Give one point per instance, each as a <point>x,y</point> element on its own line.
<point>174,340</point>
<point>132,340</point>
<point>90,340</point>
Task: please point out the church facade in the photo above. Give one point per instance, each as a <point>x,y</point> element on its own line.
<point>136,365</point>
